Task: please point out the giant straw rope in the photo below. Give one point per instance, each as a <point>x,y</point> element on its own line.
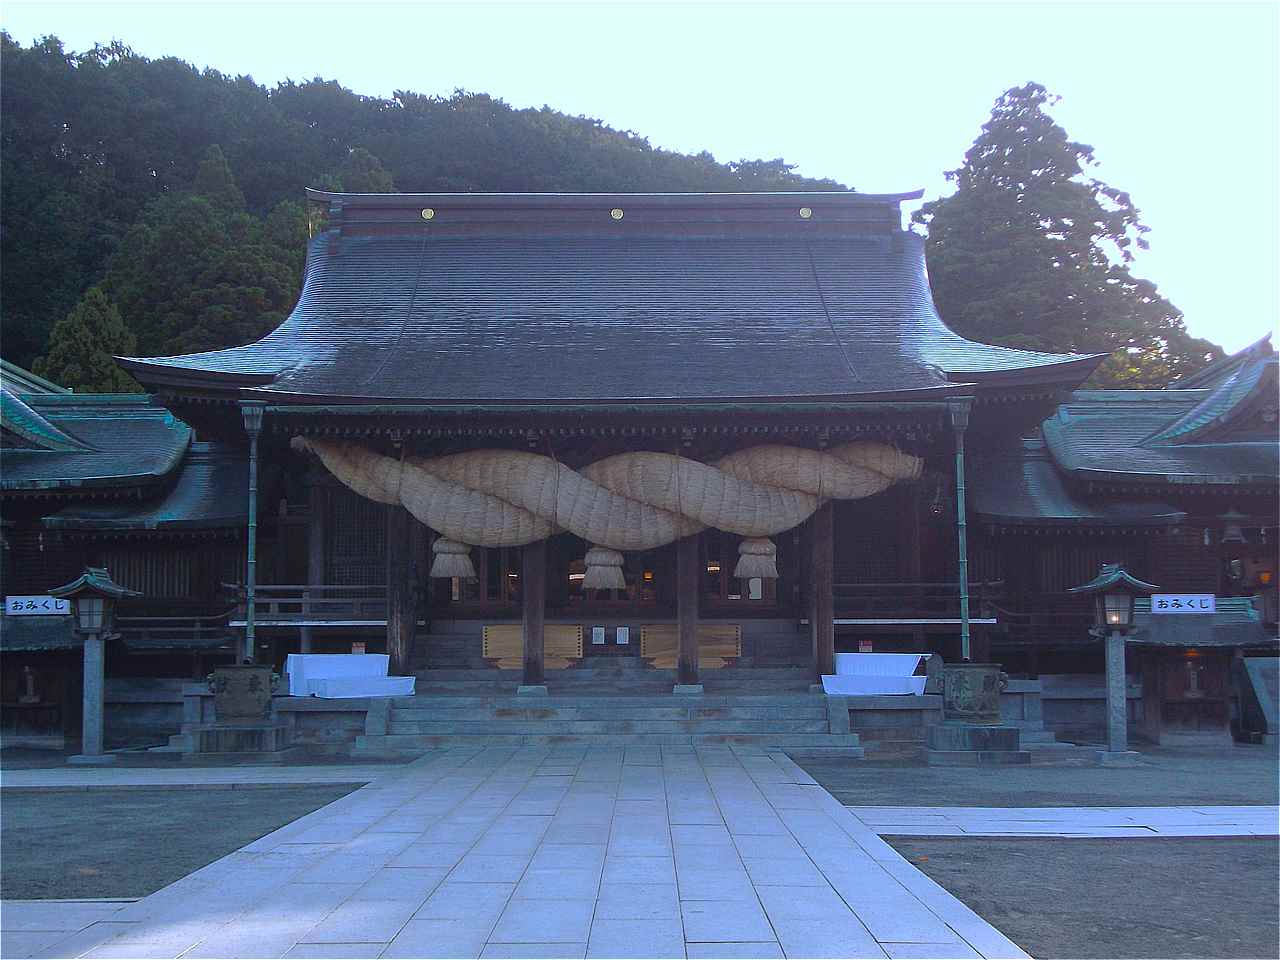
<point>631,501</point>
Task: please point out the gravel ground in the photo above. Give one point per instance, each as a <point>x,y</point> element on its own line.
<point>129,843</point>
<point>1165,777</point>
<point>1116,898</point>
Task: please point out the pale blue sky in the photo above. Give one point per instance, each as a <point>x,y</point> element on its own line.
<point>1179,100</point>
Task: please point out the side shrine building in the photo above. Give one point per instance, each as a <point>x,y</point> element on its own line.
<point>700,433</point>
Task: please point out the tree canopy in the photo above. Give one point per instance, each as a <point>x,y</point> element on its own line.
<point>1032,252</point>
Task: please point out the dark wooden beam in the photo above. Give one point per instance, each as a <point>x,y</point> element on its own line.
<point>533,594</point>
<point>821,571</point>
<point>687,610</point>
<point>317,519</point>
<point>402,617</point>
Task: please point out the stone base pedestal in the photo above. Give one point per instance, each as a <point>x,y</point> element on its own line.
<point>687,689</point>
<point>973,744</point>
<point>1118,758</point>
<point>92,759</point>
<point>533,690</point>
<point>240,740</point>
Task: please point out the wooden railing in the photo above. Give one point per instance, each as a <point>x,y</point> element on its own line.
<point>177,632</point>
<point>913,599</point>
<point>313,605</point>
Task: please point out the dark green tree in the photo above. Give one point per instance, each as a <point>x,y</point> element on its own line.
<point>82,344</point>
<point>1032,252</point>
<point>364,173</point>
<point>215,181</point>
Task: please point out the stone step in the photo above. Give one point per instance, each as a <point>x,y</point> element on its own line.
<point>415,743</point>
<point>451,727</point>
<point>616,708</point>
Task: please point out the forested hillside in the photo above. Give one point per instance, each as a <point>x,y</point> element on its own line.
<point>176,193</point>
<point>150,208</point>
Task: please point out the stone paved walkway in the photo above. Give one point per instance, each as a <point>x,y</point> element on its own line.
<point>532,852</point>
<point>1238,821</point>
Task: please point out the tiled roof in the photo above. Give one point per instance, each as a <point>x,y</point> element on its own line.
<point>1236,623</point>
<point>122,440</point>
<point>1103,435</point>
<point>1023,488</point>
<point>522,299</point>
<point>211,492</point>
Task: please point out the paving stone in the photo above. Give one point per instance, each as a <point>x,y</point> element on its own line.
<point>625,869</point>
<point>81,941</point>
<point>958,950</point>
<point>638,901</point>
<point>837,938</point>
<point>534,951</point>
<point>657,938</point>
<point>791,873</point>
<point>323,951</point>
<point>559,883</point>
<point>402,883</point>
<point>724,920</point>
<point>802,903</point>
<point>705,884</point>
<point>430,855</point>
<point>770,848</point>
<point>544,921</point>
<point>439,939</point>
<point>483,868</point>
<point>765,950</point>
<point>466,901</point>
<point>359,921</point>
<point>700,834</point>
<point>23,943</point>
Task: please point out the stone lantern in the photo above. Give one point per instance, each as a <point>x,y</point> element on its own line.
<point>1113,591</point>
<point>93,597</point>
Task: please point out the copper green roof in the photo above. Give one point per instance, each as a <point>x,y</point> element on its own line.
<point>120,440</point>
<point>608,299</point>
<point>18,380</point>
<point>29,430</point>
<point>1114,575</point>
<point>38,634</point>
<point>94,580</point>
<point>1021,487</point>
<point>211,492</point>
<point>1236,623</point>
<point>1220,432</point>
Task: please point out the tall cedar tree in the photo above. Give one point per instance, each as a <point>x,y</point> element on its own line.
<point>82,345</point>
<point>1031,252</point>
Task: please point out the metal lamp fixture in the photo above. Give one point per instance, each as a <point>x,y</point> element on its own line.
<point>1232,530</point>
<point>93,597</point>
<point>1113,591</point>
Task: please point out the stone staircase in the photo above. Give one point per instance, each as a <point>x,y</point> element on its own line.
<point>610,701</point>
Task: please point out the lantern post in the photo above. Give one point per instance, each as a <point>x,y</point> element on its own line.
<point>1113,591</point>
<point>93,597</point>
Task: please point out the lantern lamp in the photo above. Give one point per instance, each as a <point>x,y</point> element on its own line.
<point>1113,590</point>
<point>93,597</point>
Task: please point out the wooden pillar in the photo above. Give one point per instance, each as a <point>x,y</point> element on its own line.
<point>823,609</point>
<point>687,611</point>
<point>401,615</point>
<point>317,517</point>
<point>533,595</point>
<point>1152,696</point>
<point>909,502</point>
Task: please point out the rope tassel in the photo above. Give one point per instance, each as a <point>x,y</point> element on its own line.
<point>757,557</point>
<point>452,559</point>
<point>604,570</point>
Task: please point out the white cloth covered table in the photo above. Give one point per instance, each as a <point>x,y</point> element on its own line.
<point>344,675</point>
<point>872,674</point>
